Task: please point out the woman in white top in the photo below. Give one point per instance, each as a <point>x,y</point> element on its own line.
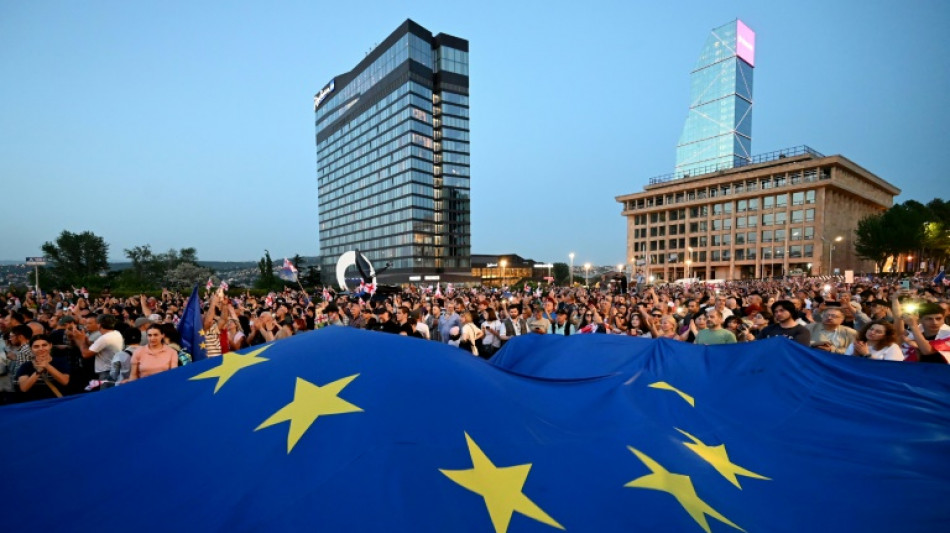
<point>877,340</point>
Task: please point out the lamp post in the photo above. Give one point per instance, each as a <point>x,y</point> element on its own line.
<point>503,265</point>
<point>831,249</point>
<point>571,255</point>
<point>587,274</point>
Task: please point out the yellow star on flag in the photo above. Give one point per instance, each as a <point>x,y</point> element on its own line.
<point>310,402</point>
<point>231,363</point>
<point>719,459</point>
<point>666,386</point>
<point>680,487</point>
<point>500,487</point>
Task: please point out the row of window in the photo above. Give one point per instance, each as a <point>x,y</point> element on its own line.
<point>451,60</point>
<point>397,54</point>
<point>381,183</point>
<point>375,155</point>
<point>379,218</point>
<point>389,105</point>
<point>385,164</point>
<point>394,199</point>
<point>770,182</point>
<point>799,234</point>
<point>798,216</point>
<point>739,254</point>
<point>372,136</point>
<point>451,109</point>
<point>779,201</point>
<point>373,185</point>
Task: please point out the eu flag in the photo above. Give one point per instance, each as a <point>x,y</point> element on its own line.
<point>191,328</point>
<point>349,430</point>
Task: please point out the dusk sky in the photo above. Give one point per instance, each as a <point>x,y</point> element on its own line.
<point>182,124</point>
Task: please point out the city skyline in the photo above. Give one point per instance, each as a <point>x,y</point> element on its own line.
<point>179,125</point>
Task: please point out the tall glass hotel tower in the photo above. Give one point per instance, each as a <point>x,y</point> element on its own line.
<point>718,130</point>
<point>393,158</point>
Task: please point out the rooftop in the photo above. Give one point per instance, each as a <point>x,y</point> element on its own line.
<point>754,160</point>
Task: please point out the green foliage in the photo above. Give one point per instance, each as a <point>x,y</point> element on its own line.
<point>150,271</point>
<point>76,259</point>
<point>561,273</point>
<point>873,240</point>
<point>267,279</point>
<point>184,276</point>
<point>910,228</point>
<point>311,278</point>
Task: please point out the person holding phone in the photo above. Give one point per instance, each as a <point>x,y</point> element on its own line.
<point>830,335</point>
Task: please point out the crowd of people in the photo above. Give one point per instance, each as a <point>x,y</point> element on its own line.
<point>64,342</point>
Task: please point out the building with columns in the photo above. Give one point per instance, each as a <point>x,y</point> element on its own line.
<point>788,212</point>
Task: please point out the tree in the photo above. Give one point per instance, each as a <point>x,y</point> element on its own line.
<point>267,279</point>
<point>873,240</point>
<point>298,262</point>
<point>77,259</point>
<point>311,278</point>
<point>150,270</point>
<point>561,273</point>
<point>186,275</point>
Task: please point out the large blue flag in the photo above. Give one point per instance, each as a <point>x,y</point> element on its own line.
<point>191,328</point>
<point>348,430</point>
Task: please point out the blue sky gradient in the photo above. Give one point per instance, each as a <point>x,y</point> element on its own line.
<point>191,123</point>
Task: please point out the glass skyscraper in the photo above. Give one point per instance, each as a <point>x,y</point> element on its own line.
<point>718,130</point>
<point>393,158</point>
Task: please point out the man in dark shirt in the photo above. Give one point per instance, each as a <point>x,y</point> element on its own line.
<point>785,324</point>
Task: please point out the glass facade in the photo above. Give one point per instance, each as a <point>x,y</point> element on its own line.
<point>393,164</point>
<point>718,129</point>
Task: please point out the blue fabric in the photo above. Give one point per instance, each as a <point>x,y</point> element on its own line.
<point>191,328</point>
<point>847,444</point>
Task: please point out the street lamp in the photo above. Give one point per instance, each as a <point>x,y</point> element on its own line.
<point>831,248</point>
<point>571,255</point>
<point>587,274</point>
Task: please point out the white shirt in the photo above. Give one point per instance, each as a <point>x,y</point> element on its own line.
<point>422,328</point>
<point>888,353</point>
<point>106,347</point>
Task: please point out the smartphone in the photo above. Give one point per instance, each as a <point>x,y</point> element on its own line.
<point>905,284</point>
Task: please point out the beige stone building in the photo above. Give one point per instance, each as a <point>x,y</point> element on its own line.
<point>789,212</point>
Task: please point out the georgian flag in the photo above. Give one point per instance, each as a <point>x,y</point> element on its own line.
<point>438,290</point>
<point>209,284</point>
<point>287,272</point>
<point>326,295</point>
<point>269,300</point>
<point>589,328</point>
<point>449,289</point>
<point>370,288</point>
<point>224,286</point>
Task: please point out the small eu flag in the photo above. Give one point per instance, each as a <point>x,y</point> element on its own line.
<point>191,328</point>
